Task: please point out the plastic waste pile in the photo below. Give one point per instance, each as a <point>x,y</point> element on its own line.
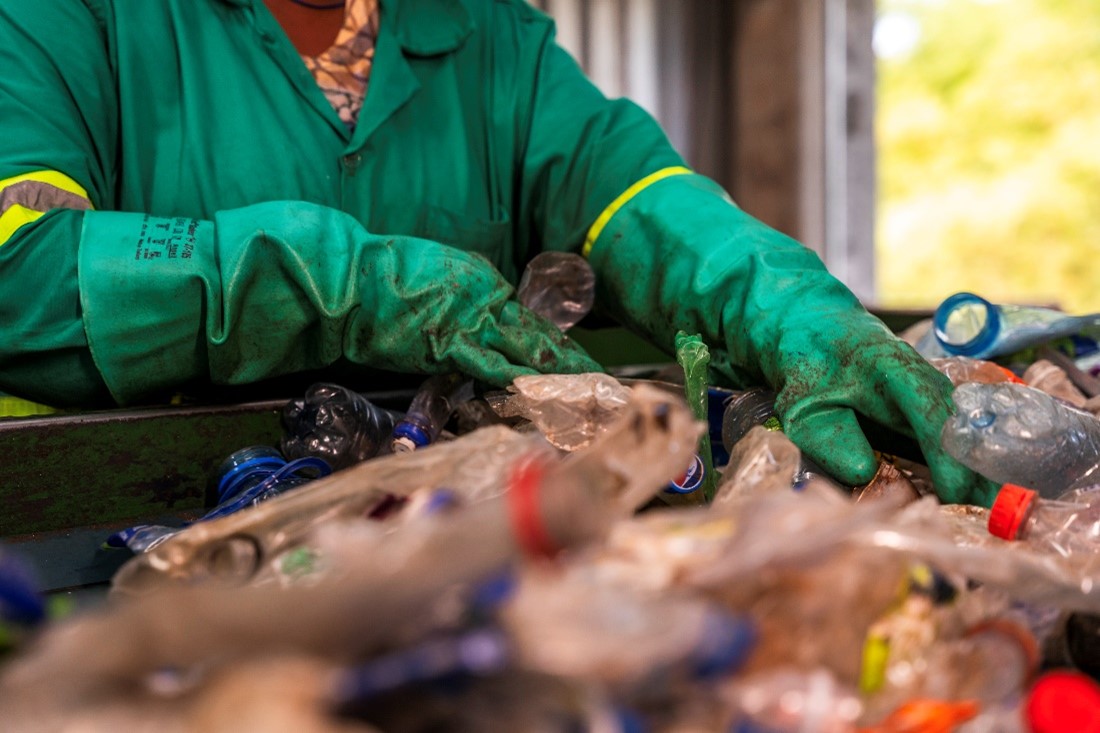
<point>548,561</point>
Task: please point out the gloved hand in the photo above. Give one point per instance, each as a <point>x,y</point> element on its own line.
<point>829,359</point>
<point>680,255</point>
<point>283,287</point>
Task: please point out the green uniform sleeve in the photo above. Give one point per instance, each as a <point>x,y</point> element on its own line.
<point>56,102</point>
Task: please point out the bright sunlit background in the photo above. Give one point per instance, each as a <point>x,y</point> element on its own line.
<point>988,129</point>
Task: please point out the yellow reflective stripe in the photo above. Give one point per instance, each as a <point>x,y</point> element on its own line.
<point>605,216</point>
<point>16,215</point>
<point>18,407</point>
<point>50,178</point>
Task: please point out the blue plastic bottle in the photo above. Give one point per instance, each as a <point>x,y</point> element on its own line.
<point>968,325</point>
<point>245,478</point>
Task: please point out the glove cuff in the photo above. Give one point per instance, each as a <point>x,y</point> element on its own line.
<point>142,289</point>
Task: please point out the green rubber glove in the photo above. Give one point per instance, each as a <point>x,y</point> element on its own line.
<point>283,287</point>
<point>680,255</point>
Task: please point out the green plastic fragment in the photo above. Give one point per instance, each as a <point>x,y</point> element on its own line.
<point>694,357</point>
<point>298,563</point>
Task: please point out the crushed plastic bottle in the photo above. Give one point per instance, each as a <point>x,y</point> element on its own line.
<point>429,411</point>
<point>570,410</point>
<point>335,424</point>
<point>1013,434</point>
<point>246,478</point>
<point>1063,527</point>
<point>744,411</point>
<point>559,286</point>
<point>960,369</point>
<point>966,324</point>
<point>762,461</point>
<point>749,409</point>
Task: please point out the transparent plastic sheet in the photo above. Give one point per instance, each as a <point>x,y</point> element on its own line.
<point>1011,433</point>
<point>761,462</point>
<point>570,410</point>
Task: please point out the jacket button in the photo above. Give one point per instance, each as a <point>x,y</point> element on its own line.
<point>351,161</point>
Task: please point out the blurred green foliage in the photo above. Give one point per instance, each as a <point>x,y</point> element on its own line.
<point>989,154</point>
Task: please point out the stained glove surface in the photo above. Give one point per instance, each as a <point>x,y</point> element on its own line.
<point>681,256</point>
<point>283,287</point>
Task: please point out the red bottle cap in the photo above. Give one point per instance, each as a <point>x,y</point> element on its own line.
<point>1064,701</point>
<point>1010,509</point>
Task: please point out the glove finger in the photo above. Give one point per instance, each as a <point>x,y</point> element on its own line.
<point>485,364</point>
<point>927,405</point>
<point>831,437</point>
<point>528,339</point>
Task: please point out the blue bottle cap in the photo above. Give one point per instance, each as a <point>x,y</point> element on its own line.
<point>979,343</point>
<point>690,481</point>
<point>412,433</point>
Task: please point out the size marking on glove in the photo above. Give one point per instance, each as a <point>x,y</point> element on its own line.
<point>25,198</point>
<point>623,199</point>
<point>168,238</point>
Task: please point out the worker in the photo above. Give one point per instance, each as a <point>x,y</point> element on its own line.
<point>224,191</point>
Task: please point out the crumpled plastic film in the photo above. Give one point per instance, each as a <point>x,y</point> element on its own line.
<point>570,410</point>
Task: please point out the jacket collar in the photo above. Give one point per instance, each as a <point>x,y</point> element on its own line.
<point>422,27</point>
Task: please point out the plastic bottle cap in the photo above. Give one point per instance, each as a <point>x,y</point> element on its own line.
<point>978,343</point>
<point>409,437</point>
<point>1010,510</point>
<point>1064,701</point>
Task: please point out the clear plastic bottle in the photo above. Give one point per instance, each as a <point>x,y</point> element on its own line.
<point>966,324</point>
<point>744,411</point>
<point>429,411</point>
<point>1064,527</point>
<point>970,326</point>
<point>335,424</point>
<point>1013,434</point>
<point>756,406</point>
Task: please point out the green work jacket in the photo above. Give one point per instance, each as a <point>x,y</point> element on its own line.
<point>477,131</point>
